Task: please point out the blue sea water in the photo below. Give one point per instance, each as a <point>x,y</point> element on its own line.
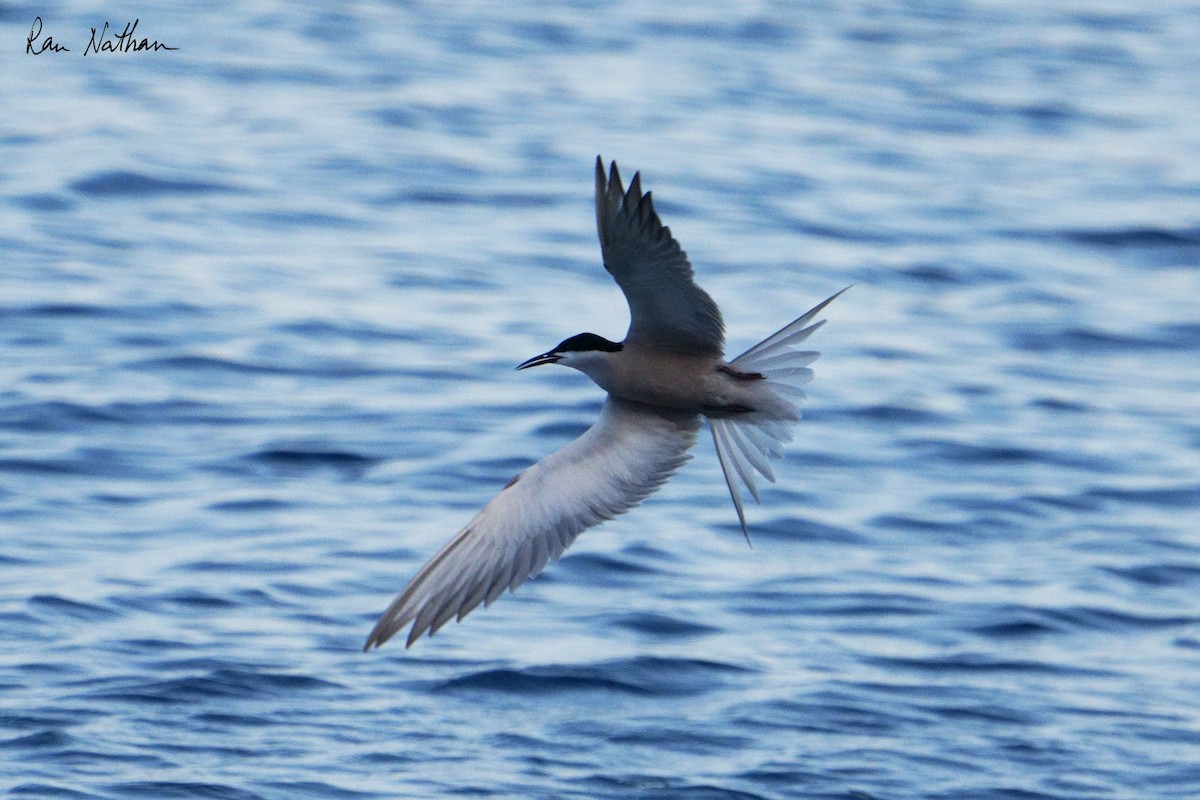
<point>261,297</point>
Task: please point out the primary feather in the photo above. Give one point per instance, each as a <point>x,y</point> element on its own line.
<point>666,308</point>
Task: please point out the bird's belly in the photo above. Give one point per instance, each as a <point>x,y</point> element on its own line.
<point>696,387</point>
<point>668,396</point>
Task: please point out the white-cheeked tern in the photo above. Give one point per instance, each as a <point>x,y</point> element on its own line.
<point>667,374</point>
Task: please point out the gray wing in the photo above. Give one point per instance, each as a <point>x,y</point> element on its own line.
<point>667,309</point>
<point>627,454</point>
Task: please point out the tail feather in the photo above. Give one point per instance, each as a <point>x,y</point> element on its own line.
<point>765,442</point>
<point>784,358</point>
<point>752,449</point>
<point>725,455</point>
<point>787,339</point>
<point>741,464</point>
<point>791,334</point>
<point>745,444</point>
<point>793,393</point>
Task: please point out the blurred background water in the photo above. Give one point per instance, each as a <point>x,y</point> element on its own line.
<point>261,297</point>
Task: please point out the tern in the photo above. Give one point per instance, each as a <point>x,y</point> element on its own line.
<point>662,379</point>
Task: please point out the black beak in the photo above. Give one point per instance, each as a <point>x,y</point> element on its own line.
<point>537,361</point>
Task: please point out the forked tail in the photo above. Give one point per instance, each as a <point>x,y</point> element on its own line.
<point>745,445</point>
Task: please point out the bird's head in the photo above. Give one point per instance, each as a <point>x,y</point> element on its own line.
<point>584,351</point>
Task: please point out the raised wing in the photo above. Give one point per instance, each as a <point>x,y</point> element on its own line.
<point>627,454</point>
<point>667,309</point>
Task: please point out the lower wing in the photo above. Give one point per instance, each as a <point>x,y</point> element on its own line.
<point>626,455</point>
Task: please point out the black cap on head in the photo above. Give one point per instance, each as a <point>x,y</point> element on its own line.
<point>586,342</point>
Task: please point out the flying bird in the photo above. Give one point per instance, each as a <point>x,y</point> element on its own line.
<point>665,376</point>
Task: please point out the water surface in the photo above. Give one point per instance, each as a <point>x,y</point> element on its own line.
<point>260,302</point>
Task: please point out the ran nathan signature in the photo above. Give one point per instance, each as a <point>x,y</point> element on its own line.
<point>102,41</point>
